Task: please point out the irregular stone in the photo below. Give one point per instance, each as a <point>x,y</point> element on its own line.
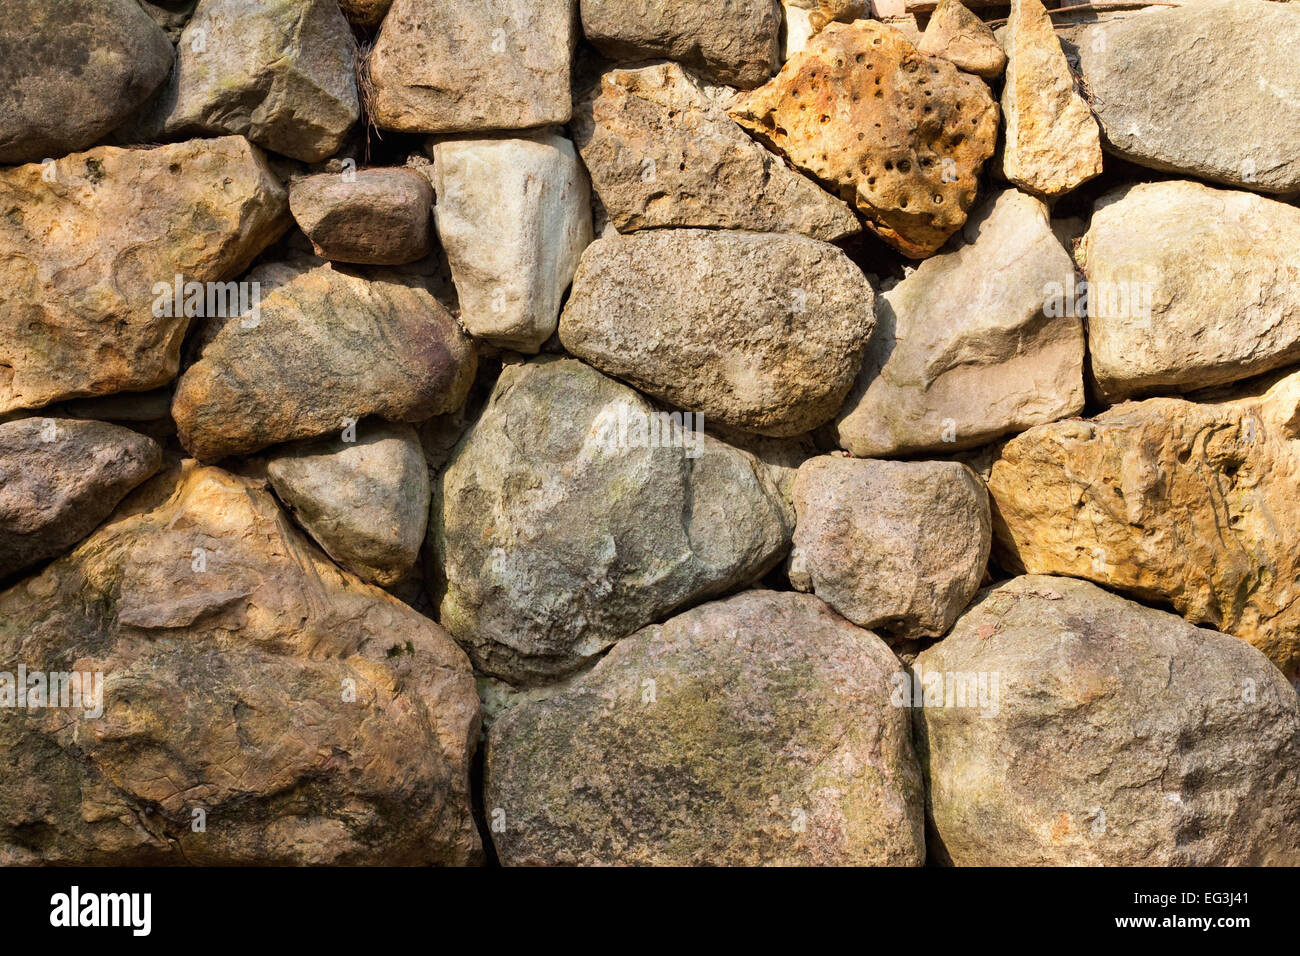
<point>736,43</point>
<point>59,478</point>
<point>312,718</point>
<point>965,351</point>
<point>440,67</point>
<point>328,348</point>
<point>281,72</point>
<point>366,502</point>
<point>798,28</point>
<point>956,34</point>
<point>563,524</point>
<point>762,332</point>
<point>171,15</point>
<point>1190,286</point>
<point>900,545</point>
<point>367,14</point>
<point>1112,735</point>
<point>1168,500</point>
<point>899,134</point>
<point>513,216</point>
<point>370,216</point>
<point>1220,128</point>
<point>72,72</point>
<point>84,242</point>
<point>662,152</point>
<point>1052,142</point>
<point>754,730</point>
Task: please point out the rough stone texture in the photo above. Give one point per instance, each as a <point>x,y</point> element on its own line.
<point>1210,90</point>
<point>737,43</point>
<point>513,216</point>
<point>956,34</point>
<point>662,151</point>
<point>366,14</point>
<point>366,502</point>
<point>762,332</point>
<point>72,72</point>
<point>798,29</point>
<point>81,252</point>
<point>440,67</point>
<point>370,216</point>
<point>891,544</point>
<point>1168,500</point>
<point>171,15</point>
<point>755,730</point>
<point>328,346</point>
<point>281,72</point>
<point>1052,142</point>
<point>59,478</point>
<point>1190,286</point>
<point>1120,736</point>
<point>558,528</point>
<point>314,719</point>
<point>965,351</point>
<point>899,134</point>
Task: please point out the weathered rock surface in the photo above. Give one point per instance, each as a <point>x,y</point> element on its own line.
<point>366,14</point>
<point>755,730</point>
<point>1168,500</point>
<point>899,134</point>
<point>1052,142</point>
<point>1190,286</point>
<point>1118,735</point>
<point>762,332</point>
<point>281,72</point>
<point>441,67</point>
<point>83,244</point>
<point>513,216</point>
<point>328,347</point>
<point>1168,89</point>
<point>312,718</point>
<point>736,43</point>
<point>366,502</point>
<point>562,524</point>
<point>370,216</point>
<point>899,545</point>
<point>59,478</point>
<point>956,34</point>
<point>663,152</point>
<point>965,351</point>
<point>72,72</point>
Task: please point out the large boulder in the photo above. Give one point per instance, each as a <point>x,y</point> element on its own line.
<point>1063,725</point>
<point>365,501</point>
<point>59,478</point>
<point>758,331</point>
<point>250,703</point>
<point>755,730</point>
<point>967,350</point>
<point>281,72</point>
<point>662,151</point>
<point>574,513</point>
<point>90,250</point>
<point>513,216</point>
<point>736,43</point>
<point>368,216</point>
<point>72,72</point>
<point>1189,286</point>
<point>327,349</point>
<point>1190,503</point>
<point>1052,141</point>
<point>1168,89</point>
<point>440,67</point>
<point>899,134</point>
<point>898,545</point>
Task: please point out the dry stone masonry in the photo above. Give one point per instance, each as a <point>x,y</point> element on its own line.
<point>596,432</point>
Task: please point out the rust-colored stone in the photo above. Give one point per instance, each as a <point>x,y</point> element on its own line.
<point>900,134</point>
